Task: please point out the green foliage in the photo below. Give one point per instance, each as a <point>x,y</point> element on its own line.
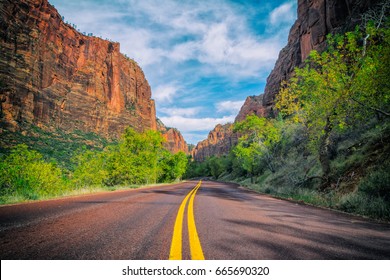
<point>332,146</point>
<point>359,203</point>
<point>259,142</point>
<point>55,145</point>
<point>139,158</point>
<point>23,173</point>
<point>197,169</point>
<point>340,88</point>
<point>173,166</point>
<point>377,184</point>
<point>216,166</point>
<point>90,169</point>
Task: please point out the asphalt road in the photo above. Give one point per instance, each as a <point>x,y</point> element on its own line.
<point>228,222</point>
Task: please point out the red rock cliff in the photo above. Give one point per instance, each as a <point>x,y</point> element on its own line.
<point>174,141</point>
<point>54,77</point>
<point>219,142</point>
<point>252,105</point>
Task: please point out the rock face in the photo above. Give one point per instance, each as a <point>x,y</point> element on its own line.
<point>252,105</point>
<point>316,19</point>
<point>174,141</point>
<point>54,77</point>
<point>219,142</point>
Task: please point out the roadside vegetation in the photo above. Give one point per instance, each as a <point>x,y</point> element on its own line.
<point>330,143</point>
<point>138,159</point>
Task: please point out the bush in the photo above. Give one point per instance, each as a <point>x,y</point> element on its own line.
<point>368,206</point>
<point>23,173</point>
<point>377,184</point>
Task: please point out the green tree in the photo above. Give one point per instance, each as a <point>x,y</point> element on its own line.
<point>91,169</point>
<point>259,141</point>
<point>216,165</point>
<point>337,88</point>
<point>24,173</point>
<point>173,166</point>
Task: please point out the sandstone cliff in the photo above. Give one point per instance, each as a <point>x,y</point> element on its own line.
<point>54,77</point>
<point>219,142</point>
<point>252,105</point>
<point>316,19</point>
<point>174,141</point>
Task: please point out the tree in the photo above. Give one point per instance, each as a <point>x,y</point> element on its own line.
<point>90,170</point>
<point>260,137</point>
<point>173,166</point>
<point>24,173</point>
<point>345,84</point>
<point>216,166</point>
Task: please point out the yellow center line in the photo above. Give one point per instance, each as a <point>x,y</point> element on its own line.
<point>176,244</point>
<point>195,247</point>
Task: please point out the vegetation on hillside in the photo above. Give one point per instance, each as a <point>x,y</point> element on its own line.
<point>330,143</point>
<point>138,158</point>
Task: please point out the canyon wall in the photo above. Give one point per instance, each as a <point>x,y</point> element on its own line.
<point>54,77</point>
<point>174,141</point>
<point>219,142</point>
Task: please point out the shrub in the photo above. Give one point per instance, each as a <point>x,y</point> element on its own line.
<point>368,206</point>
<point>24,173</point>
<point>377,184</point>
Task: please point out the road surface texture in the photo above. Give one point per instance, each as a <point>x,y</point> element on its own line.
<point>228,222</point>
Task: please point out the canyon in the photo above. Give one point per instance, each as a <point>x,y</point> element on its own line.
<point>315,20</point>
<point>56,78</point>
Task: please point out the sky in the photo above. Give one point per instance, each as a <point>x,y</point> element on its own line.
<point>201,58</point>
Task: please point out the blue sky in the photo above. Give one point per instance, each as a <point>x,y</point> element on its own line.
<point>201,58</point>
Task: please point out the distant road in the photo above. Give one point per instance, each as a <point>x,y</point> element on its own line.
<point>225,221</point>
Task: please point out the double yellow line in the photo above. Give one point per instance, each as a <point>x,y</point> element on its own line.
<point>176,245</point>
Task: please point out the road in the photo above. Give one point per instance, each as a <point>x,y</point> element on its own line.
<point>226,222</point>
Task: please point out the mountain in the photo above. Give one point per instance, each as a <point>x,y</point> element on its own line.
<point>316,19</point>
<point>55,78</point>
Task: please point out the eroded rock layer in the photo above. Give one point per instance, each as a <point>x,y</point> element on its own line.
<point>53,76</point>
<point>219,142</point>
<point>174,141</point>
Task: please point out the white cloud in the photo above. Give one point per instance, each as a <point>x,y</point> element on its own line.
<point>185,112</point>
<point>195,124</point>
<point>282,14</point>
<point>232,107</point>
<point>165,93</point>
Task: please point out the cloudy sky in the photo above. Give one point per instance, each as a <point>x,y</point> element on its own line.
<point>201,58</point>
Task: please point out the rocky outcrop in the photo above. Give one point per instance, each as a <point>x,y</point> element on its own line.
<point>54,77</point>
<point>219,142</point>
<point>252,105</point>
<point>174,140</point>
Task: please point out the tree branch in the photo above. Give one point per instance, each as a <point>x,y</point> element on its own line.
<point>372,108</point>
